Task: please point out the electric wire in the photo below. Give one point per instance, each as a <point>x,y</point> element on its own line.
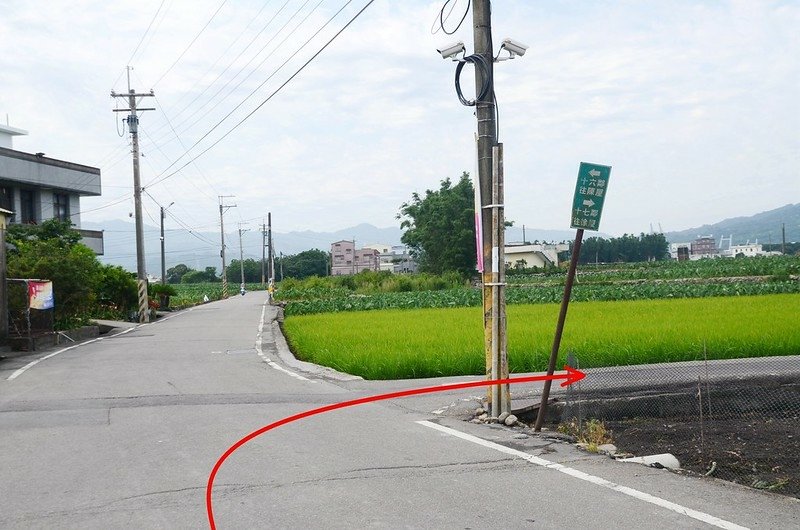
<point>232,62</point>
<point>191,43</point>
<point>254,70</point>
<point>141,40</point>
<point>442,19</point>
<point>276,91</point>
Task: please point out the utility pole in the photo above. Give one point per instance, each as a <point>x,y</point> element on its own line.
<point>270,254</point>
<point>783,238</point>
<point>241,254</point>
<point>263,255</point>
<point>163,252</point>
<point>133,126</point>
<point>494,320</point>
<point>222,209</point>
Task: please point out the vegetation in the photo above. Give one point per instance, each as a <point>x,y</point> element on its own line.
<point>628,248</point>
<point>396,344</point>
<point>308,263</point>
<point>82,286</point>
<point>440,227</point>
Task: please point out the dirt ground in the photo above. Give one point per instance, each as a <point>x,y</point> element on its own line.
<point>756,451</point>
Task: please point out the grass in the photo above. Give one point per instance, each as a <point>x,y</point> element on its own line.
<point>396,344</point>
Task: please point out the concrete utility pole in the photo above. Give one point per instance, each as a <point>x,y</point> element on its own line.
<point>271,255</point>
<point>783,238</point>
<point>222,209</point>
<point>163,252</point>
<point>263,254</point>
<point>133,126</point>
<point>241,253</point>
<point>494,321</point>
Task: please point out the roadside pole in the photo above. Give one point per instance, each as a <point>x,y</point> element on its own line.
<point>133,126</point>
<point>222,209</point>
<point>493,315</point>
<point>587,207</point>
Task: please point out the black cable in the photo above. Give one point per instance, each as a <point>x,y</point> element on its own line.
<point>441,16</point>
<point>480,62</point>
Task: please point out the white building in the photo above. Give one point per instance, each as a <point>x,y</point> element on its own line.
<point>535,255</point>
<point>37,188</point>
<point>394,259</point>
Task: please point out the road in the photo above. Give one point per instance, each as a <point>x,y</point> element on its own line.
<point>123,433</point>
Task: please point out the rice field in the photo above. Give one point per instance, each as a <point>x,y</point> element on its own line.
<point>413,343</point>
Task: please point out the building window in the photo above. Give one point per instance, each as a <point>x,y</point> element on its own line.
<point>61,206</point>
<point>27,214</point>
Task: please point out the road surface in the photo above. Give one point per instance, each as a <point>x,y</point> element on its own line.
<point>123,433</point>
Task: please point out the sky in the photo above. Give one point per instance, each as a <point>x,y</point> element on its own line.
<point>694,104</point>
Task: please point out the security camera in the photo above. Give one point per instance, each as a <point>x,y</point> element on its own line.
<point>451,50</point>
<point>514,47</point>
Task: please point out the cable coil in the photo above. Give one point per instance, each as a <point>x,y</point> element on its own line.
<point>481,63</point>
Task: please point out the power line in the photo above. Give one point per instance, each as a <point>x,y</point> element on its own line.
<point>130,59</point>
<point>295,74</point>
<point>243,68</point>
<point>191,43</point>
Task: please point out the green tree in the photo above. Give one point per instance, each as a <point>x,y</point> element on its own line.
<point>51,251</point>
<point>207,275</point>
<point>308,263</point>
<point>174,274</point>
<point>440,229</point>
<point>252,271</point>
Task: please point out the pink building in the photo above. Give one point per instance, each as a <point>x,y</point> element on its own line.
<point>345,259</point>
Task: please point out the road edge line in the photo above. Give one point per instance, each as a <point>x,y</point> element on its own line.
<point>625,490</point>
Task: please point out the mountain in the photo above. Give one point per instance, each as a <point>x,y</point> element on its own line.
<point>201,249</point>
<point>764,227</point>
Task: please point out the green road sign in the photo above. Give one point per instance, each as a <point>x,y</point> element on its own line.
<point>590,192</point>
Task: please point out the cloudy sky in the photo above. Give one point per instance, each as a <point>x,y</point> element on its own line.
<point>693,103</point>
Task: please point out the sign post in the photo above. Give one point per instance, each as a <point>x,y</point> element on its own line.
<point>587,207</point>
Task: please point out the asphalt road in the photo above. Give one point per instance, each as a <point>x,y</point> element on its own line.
<point>123,433</point>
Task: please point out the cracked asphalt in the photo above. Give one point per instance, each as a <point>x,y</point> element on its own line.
<point>123,433</point>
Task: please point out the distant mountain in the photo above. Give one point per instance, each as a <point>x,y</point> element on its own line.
<point>764,227</point>
<point>201,249</point>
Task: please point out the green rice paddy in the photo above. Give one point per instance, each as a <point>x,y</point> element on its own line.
<point>413,343</point>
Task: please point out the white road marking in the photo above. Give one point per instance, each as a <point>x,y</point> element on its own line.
<point>636,494</point>
<point>260,350</point>
<point>31,364</point>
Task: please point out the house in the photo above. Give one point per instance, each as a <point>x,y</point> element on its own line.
<point>535,255</point>
<point>345,259</point>
<point>37,188</point>
<point>395,259</point>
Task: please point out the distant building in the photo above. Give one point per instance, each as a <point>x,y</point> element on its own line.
<point>37,188</point>
<point>345,259</point>
<point>705,247</point>
<point>536,255</point>
<point>395,259</point>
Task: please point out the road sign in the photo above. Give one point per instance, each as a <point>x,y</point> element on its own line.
<point>590,192</point>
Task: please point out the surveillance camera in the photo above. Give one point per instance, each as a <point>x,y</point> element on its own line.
<point>514,47</point>
<point>451,50</point>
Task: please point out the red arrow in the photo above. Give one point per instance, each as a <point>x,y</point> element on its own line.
<point>570,377</point>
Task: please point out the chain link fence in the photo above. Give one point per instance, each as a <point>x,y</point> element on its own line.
<point>736,420</point>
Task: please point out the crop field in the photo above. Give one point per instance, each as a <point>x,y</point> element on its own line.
<point>190,294</point>
<point>639,281</point>
<point>394,344</point>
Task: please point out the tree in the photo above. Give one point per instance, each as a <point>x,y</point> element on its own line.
<point>440,227</point>
<point>252,271</point>
<point>193,276</point>
<point>51,251</point>
<point>303,265</point>
<point>174,274</point>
